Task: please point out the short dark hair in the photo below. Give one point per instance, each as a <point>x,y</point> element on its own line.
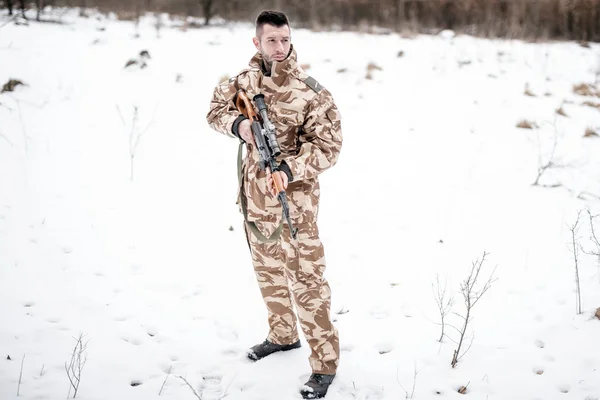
<point>275,18</point>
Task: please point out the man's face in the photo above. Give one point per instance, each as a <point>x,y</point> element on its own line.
<point>273,43</point>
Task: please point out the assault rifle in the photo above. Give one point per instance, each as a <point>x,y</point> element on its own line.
<point>265,138</point>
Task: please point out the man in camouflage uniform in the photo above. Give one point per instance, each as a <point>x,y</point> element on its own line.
<point>308,128</point>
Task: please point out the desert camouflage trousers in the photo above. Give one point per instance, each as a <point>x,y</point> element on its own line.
<point>293,268</point>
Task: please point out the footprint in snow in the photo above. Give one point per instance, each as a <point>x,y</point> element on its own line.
<point>347,348</point>
<point>358,392</point>
<point>135,268</point>
<point>539,318</point>
<point>384,347</point>
<point>234,352</point>
<point>132,340</point>
<point>151,331</point>
<point>564,388</point>
<point>193,294</point>
<point>538,370</point>
<point>243,386</point>
<point>211,387</point>
<point>540,344</point>
<point>226,333</point>
<point>549,358</point>
<point>166,368</point>
<point>121,318</point>
<point>379,313</point>
<point>40,397</point>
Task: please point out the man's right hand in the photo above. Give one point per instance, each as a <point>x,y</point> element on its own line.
<point>246,132</point>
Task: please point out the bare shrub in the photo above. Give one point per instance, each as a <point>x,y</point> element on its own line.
<point>135,135</point>
<point>11,85</point>
<point>75,367</point>
<point>591,104</point>
<point>561,111</point>
<point>548,162</point>
<point>373,67</point>
<point>472,290</point>
<point>414,385</point>
<point>584,89</point>
<point>589,132</point>
<point>575,247</point>
<point>594,239</point>
<point>528,91</point>
<point>525,124</point>
<point>443,302</point>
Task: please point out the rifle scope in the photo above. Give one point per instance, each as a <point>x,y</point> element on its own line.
<point>259,99</point>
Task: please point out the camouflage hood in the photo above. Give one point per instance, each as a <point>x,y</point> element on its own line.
<point>278,69</point>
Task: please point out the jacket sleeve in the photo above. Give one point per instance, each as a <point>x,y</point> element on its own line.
<point>321,141</point>
<point>223,116</point>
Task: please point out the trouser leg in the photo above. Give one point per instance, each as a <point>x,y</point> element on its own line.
<point>269,265</point>
<point>305,268</point>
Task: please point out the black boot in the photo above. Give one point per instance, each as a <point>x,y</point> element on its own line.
<point>265,348</point>
<point>317,386</point>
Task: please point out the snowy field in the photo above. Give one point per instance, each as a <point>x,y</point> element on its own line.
<point>150,263</point>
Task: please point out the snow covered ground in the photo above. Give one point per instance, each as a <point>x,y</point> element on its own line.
<point>154,271</point>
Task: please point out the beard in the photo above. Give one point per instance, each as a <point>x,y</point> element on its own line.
<point>269,58</point>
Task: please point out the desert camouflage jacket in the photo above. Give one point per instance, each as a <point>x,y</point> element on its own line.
<point>308,131</point>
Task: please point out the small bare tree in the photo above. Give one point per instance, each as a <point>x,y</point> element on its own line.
<point>10,3</point>
<point>472,291</point>
<point>544,165</point>
<point>594,240</point>
<point>208,10</point>
<point>135,135</point>
<point>165,381</point>
<point>414,385</point>
<point>20,376</point>
<point>75,367</point>
<point>575,247</point>
<point>158,24</point>
<point>597,74</point>
<point>40,8</point>
<point>444,304</point>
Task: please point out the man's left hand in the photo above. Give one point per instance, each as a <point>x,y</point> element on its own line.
<point>271,186</point>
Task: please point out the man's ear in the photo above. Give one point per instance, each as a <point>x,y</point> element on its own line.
<point>256,43</point>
